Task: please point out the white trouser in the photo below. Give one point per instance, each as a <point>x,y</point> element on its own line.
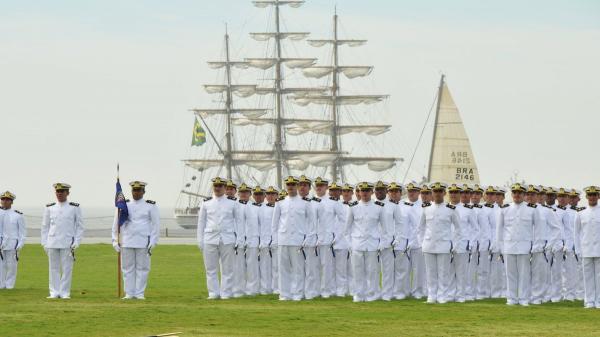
<point>518,276</point>
<point>2,278</point>
<point>219,258</point>
<point>8,275</point>
<point>239,272</point>
<point>579,292</point>
<point>342,261</point>
<point>135,264</point>
<point>265,266</point>
<point>401,275</point>
<point>350,274</point>
<point>386,260</point>
<point>312,282</point>
<point>483,273</point>
<point>591,281</point>
<point>252,273</point>
<point>539,277</point>
<point>327,271</point>
<point>417,268</point>
<point>471,287</point>
<point>556,266</point>
<point>275,268</point>
<point>569,276</point>
<point>458,278</point>
<point>437,268</point>
<point>366,275</point>
<point>291,273</point>
<point>61,269</point>
<point>497,277</point>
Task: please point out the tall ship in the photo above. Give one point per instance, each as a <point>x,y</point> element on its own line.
<point>278,114</point>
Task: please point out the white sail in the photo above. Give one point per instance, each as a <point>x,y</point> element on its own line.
<point>292,63</point>
<point>241,90</point>
<point>452,159</point>
<point>340,100</point>
<point>248,113</point>
<point>295,36</point>
<point>291,3</point>
<point>348,71</point>
<point>221,64</point>
<point>351,43</point>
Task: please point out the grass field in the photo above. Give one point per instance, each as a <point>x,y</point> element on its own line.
<point>176,301</point>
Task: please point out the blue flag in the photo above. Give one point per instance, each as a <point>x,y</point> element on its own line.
<point>121,204</point>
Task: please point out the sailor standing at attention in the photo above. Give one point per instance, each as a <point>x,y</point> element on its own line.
<point>578,275</point>
<point>386,255</point>
<point>12,239</point>
<point>61,233</point>
<point>486,220</point>
<point>366,225</point>
<point>139,235</point>
<point>569,262</point>
<point>216,238</point>
<point>459,269</point>
<point>587,246</point>
<point>497,263</point>
<point>417,260</point>
<point>265,219</point>
<point>312,279</point>
<point>402,233</point>
<point>341,246</point>
<point>239,261</point>
<point>293,221</point>
<point>250,282</point>
<point>515,237</point>
<point>436,234</point>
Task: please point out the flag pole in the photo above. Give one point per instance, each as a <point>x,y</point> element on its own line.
<point>119,276</point>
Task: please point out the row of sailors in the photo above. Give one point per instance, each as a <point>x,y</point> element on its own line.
<point>302,247</point>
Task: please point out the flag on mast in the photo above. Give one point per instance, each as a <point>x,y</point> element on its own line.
<point>121,203</point>
<point>198,134</point>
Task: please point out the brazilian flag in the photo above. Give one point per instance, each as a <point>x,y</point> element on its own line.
<point>198,134</point>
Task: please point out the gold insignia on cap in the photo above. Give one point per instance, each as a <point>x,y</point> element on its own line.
<point>8,195</point>
<point>218,181</point>
<point>412,187</point>
<point>380,184</point>
<point>283,194</point>
<point>550,190</point>
<point>291,180</point>
<point>562,192</point>
<point>490,190</point>
<point>244,188</point>
<point>137,184</point>
<point>304,179</point>
<point>477,188</point>
<point>574,193</point>
<point>321,181</point>
<point>425,189</point>
<point>466,188</point>
<point>451,188</point>
<point>592,190</point>
<point>437,186</point>
<point>230,183</point>
<point>393,186</point>
<point>271,190</point>
<point>335,186</point>
<point>61,186</point>
<point>258,190</point>
<point>347,187</point>
<point>532,189</point>
<point>517,188</point>
<point>364,186</point>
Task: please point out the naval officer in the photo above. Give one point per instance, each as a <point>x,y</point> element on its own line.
<point>61,233</point>
<point>587,246</point>
<point>139,235</point>
<point>12,239</point>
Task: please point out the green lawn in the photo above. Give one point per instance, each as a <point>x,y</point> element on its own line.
<point>176,301</point>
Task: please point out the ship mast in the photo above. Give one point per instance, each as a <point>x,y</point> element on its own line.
<point>334,107</point>
<point>278,101</point>
<point>437,114</point>
<point>228,107</point>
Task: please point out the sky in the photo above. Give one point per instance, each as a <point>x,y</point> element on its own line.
<point>87,84</point>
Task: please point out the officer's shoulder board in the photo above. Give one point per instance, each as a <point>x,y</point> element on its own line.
<point>408,203</point>
<point>127,200</point>
<point>504,206</point>
<point>282,198</point>
<point>243,201</point>
<point>231,198</point>
<point>562,207</point>
<point>489,205</point>
<point>426,204</point>
<point>256,204</point>
<point>334,199</point>
<point>270,205</point>
<point>152,202</point>
<point>531,205</point>
<point>450,206</point>
<point>394,202</point>
<point>74,204</point>
<point>50,204</point>
<point>316,199</point>
<point>207,198</point>
<point>18,212</point>
<point>469,206</point>
<point>579,209</point>
<point>379,203</point>
<point>306,199</point>
<point>550,207</point>
<point>354,203</point>
<point>478,206</point>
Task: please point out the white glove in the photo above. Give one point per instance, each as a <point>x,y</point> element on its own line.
<point>74,246</point>
<point>116,247</point>
<point>382,246</point>
<point>20,245</point>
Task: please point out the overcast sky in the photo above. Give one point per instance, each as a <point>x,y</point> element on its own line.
<point>84,84</point>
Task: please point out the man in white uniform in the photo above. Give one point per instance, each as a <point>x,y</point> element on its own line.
<point>558,248</point>
<point>341,246</point>
<point>61,233</point>
<point>12,239</point>
<point>250,282</point>
<point>139,235</point>
<point>216,238</point>
<point>265,253</point>
<point>578,275</point>
<point>587,246</point>
<point>417,260</point>
<point>569,262</point>
<point>293,221</point>
<point>387,253</point>
<point>402,232</point>
<point>312,273</point>
<point>436,234</point>
<point>487,223</point>
<point>459,266</point>
<point>366,224</point>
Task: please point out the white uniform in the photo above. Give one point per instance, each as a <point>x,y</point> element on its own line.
<point>558,255</point>
<point>573,263</point>
<point>239,270</point>
<point>251,249</point>
<point>587,246</point>
<point>366,224</point>
<point>312,279</point>
<point>274,245</point>
<point>61,233</point>
<point>545,239</point>
<point>265,253</point>
<point>139,235</point>
<point>515,235</point>
<point>461,271</point>
<point>435,234</point>
<point>2,286</point>
<point>497,263</point>
<point>386,258</point>
<point>12,239</point>
<point>216,237</point>
<point>341,247</point>
<point>486,218</point>
<point>328,211</point>
<point>403,232</point>
<point>293,221</point>
<point>417,259</point>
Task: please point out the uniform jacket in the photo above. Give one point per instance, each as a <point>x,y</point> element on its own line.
<point>12,230</point>
<point>217,220</point>
<point>440,223</point>
<point>587,232</point>
<point>293,221</point>
<point>141,230</point>
<point>516,228</point>
<point>367,227</point>
<point>62,225</point>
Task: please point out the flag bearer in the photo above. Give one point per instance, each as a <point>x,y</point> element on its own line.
<point>139,235</point>
<point>12,239</point>
<point>61,233</point>
<point>587,246</point>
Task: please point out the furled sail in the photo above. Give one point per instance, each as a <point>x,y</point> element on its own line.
<point>295,36</point>
<point>348,71</point>
<point>452,159</point>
